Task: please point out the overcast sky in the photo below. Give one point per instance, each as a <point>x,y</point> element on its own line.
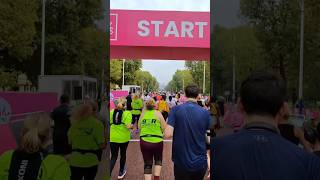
<point>163,70</point>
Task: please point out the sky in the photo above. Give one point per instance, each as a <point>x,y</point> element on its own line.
<point>163,70</point>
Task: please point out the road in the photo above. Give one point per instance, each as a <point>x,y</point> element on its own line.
<point>135,163</point>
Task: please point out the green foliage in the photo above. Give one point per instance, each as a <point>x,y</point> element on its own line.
<point>196,70</point>
<point>73,43</point>
<point>180,79</point>
<point>115,71</point>
<point>17,27</point>
<point>8,80</point>
<point>130,67</point>
<point>277,27</point>
<point>146,81</point>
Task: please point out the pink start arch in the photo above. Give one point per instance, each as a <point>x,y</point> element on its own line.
<point>174,35</point>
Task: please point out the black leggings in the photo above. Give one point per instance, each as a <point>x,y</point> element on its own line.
<point>135,118</point>
<point>151,151</point>
<point>114,154</point>
<point>77,173</point>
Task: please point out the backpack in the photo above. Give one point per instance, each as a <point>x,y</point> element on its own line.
<point>163,106</point>
<point>25,166</point>
<point>117,117</point>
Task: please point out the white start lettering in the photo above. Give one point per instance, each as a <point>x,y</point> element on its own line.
<point>187,29</point>
<point>22,169</point>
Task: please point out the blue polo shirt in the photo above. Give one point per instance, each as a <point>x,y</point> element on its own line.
<point>261,154</point>
<point>190,122</point>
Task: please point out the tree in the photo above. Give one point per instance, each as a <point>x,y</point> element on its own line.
<point>115,71</point>
<point>277,27</point>
<point>146,81</point>
<point>180,79</point>
<point>130,67</point>
<point>196,70</point>
<point>17,27</point>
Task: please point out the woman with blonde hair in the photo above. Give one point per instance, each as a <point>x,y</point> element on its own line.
<point>86,137</point>
<point>120,123</point>
<point>152,125</point>
<point>31,160</point>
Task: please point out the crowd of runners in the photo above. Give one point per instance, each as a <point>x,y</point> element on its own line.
<point>263,141</point>
<point>146,115</point>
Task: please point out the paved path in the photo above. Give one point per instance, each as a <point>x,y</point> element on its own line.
<point>135,163</point>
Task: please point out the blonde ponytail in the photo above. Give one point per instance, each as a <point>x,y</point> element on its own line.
<point>36,131</point>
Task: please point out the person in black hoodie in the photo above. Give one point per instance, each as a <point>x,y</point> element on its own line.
<point>60,116</point>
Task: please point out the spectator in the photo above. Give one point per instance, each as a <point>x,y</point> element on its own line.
<point>258,151</point>
<point>313,136</point>
<point>188,124</point>
<point>31,160</point>
<point>60,116</point>
<point>288,131</point>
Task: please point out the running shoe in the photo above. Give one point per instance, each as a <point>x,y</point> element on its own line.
<point>122,174</point>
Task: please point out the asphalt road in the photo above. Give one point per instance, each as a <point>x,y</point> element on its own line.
<point>135,163</point>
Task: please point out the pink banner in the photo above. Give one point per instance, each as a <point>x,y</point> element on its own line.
<point>118,94</point>
<point>160,28</point>
<point>15,105</point>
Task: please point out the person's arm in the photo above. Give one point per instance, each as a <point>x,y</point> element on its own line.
<point>139,121</point>
<point>162,121</point>
<point>127,120</point>
<point>99,135</point>
<point>300,134</point>
<point>168,133</point>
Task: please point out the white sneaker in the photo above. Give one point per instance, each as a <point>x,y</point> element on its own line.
<point>122,174</point>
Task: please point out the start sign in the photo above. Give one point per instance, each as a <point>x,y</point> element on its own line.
<point>182,29</point>
<point>160,28</point>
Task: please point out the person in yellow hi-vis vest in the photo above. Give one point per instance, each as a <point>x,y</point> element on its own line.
<point>32,161</point>
<point>137,106</point>
<point>120,123</point>
<point>152,125</point>
<point>86,136</point>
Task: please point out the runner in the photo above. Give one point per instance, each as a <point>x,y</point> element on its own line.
<point>171,102</point>
<point>163,107</point>
<point>31,160</point>
<point>86,137</point>
<point>119,136</point>
<point>137,106</point>
<point>152,125</point>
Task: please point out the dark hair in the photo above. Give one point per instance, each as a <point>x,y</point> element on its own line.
<point>164,97</point>
<point>64,99</point>
<point>262,93</point>
<point>170,98</point>
<point>192,91</point>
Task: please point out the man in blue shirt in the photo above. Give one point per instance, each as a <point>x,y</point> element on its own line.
<point>188,123</point>
<point>258,152</point>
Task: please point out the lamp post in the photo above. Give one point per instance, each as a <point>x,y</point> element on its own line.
<point>204,77</point>
<point>123,72</point>
<point>43,35</point>
<point>301,50</point>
